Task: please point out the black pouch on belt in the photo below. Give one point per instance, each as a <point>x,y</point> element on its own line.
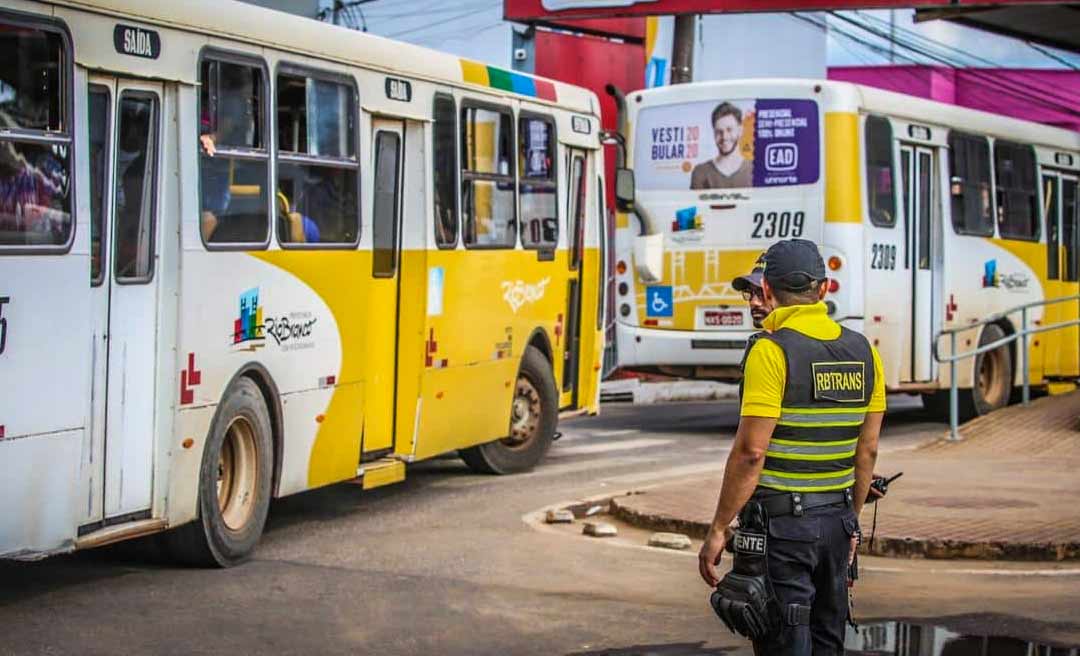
<point>744,599</point>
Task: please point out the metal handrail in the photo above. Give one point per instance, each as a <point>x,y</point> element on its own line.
<point>1022,335</point>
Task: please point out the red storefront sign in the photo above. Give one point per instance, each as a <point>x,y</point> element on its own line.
<point>555,10</point>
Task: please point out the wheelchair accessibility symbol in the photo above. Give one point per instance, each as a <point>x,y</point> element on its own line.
<point>658,302</point>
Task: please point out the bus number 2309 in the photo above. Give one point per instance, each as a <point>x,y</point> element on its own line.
<point>778,224</point>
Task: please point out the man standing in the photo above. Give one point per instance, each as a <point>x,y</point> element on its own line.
<point>729,169</point>
<point>800,466</point>
<point>750,287</point>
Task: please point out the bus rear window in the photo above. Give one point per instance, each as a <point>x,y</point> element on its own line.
<point>35,146</point>
<point>732,143</point>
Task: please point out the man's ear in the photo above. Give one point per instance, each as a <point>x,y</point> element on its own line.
<point>823,289</point>
<point>767,292</point>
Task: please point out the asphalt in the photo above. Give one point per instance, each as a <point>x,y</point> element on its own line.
<point>446,563</point>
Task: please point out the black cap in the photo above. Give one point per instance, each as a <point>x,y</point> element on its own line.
<point>752,279</point>
<point>794,265</point>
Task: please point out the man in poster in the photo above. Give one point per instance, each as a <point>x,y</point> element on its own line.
<point>729,169</point>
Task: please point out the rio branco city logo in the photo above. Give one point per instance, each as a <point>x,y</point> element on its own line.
<point>291,331</point>
<point>249,332</point>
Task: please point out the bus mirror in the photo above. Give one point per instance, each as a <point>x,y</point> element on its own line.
<point>649,257</point>
<point>624,189</point>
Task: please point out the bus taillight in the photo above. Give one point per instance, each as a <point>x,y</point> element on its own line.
<point>835,263</point>
<point>834,285</point>
<point>620,267</point>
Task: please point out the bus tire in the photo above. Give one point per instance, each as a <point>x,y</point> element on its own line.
<point>993,374</point>
<point>234,483</point>
<point>533,417</point>
<point>936,405</point>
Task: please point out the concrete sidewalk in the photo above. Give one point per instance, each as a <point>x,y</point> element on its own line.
<point>1009,490</point>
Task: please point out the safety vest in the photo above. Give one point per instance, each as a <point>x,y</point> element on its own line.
<point>826,396</point>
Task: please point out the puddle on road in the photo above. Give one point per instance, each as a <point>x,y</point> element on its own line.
<point>904,639</point>
<point>673,649</point>
<point>887,638</point>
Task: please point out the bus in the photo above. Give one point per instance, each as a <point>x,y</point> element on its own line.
<point>245,254</point>
<point>930,216</point>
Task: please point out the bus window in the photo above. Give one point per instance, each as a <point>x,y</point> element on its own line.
<point>1050,220</point>
<point>539,204</point>
<point>1018,216</point>
<point>879,172</point>
<point>385,214</point>
<point>577,210</point>
<point>487,178</point>
<point>35,156</point>
<point>135,186</point>
<point>317,168</point>
<point>233,156</point>
<point>99,123</point>
<point>969,184</point>
<point>1070,217</point>
<point>445,162</point>
<point>926,207</point>
<point>907,188</point>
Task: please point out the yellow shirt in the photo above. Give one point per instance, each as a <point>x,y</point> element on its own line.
<point>766,369</point>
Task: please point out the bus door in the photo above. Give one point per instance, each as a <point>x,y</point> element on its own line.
<point>125,153</point>
<point>1059,207</point>
<point>575,236</point>
<point>922,225</point>
<point>388,154</point>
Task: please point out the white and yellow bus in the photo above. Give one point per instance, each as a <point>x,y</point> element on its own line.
<point>930,216</point>
<point>244,254</point>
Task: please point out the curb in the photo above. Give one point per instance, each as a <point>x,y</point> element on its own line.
<point>884,545</point>
<point>931,549</point>
<point>659,523</point>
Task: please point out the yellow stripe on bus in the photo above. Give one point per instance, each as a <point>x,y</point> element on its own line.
<point>843,182</point>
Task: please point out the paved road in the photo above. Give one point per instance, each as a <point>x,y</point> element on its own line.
<point>445,564</point>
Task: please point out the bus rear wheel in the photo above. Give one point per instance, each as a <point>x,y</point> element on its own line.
<point>993,381</point>
<point>234,484</point>
<point>534,413</point>
<point>991,385</point>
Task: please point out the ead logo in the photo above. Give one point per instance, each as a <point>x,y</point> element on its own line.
<point>781,157</point>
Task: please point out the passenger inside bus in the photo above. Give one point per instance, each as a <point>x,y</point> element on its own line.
<point>214,181</point>
<point>294,226</point>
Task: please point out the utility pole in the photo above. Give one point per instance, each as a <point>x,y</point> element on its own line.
<point>892,36</point>
<point>682,49</point>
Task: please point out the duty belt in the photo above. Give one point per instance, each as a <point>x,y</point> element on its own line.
<point>778,504</point>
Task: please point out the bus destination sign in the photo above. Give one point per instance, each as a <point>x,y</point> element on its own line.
<point>400,90</point>
<point>137,42</point>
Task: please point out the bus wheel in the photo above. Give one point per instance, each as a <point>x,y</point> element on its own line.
<point>234,483</point>
<point>534,412</point>
<point>993,374</point>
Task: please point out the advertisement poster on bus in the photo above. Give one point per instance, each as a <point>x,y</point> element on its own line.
<point>728,144</point>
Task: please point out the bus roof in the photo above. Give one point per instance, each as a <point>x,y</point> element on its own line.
<point>846,96</point>
<point>242,22</point>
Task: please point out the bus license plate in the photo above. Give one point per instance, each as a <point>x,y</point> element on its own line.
<point>723,319</point>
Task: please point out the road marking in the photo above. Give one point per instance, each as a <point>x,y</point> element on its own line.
<point>712,467</point>
<point>613,432</point>
<point>542,471</point>
<point>625,445</point>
